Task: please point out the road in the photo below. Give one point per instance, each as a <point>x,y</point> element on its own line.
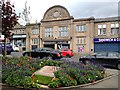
<point>14,54</point>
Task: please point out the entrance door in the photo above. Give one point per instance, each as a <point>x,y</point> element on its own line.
<point>49,45</point>
<point>34,47</point>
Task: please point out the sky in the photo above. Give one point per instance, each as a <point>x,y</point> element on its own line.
<point>77,8</point>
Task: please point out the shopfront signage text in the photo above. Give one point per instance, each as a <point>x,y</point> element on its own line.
<point>106,39</point>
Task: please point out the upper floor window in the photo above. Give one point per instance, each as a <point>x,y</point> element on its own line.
<point>102,29</point>
<point>48,32</point>
<point>35,31</point>
<point>63,31</point>
<point>35,41</point>
<point>115,28</point>
<point>81,40</point>
<point>80,28</point>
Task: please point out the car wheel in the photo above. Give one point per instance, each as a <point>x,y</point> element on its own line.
<point>8,53</point>
<point>26,55</point>
<point>85,61</point>
<point>68,56</point>
<point>118,65</point>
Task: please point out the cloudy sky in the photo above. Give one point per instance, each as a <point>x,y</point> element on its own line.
<point>76,8</point>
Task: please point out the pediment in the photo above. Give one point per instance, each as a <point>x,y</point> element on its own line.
<point>56,12</point>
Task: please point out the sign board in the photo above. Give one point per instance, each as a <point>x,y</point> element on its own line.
<point>19,36</point>
<point>1,37</point>
<point>98,40</point>
<point>57,42</point>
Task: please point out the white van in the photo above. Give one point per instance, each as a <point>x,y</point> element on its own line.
<point>16,48</point>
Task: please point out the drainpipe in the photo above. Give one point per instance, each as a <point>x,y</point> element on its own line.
<point>39,34</point>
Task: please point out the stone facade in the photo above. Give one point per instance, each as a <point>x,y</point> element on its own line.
<point>19,37</point>
<point>60,30</point>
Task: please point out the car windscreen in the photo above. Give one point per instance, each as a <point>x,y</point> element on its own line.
<point>113,54</point>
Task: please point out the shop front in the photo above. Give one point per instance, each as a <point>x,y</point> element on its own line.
<point>20,41</point>
<point>56,44</point>
<point>106,44</point>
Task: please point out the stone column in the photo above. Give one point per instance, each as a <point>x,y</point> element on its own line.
<point>55,46</point>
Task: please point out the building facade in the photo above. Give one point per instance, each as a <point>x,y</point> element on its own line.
<point>19,37</point>
<point>58,30</point>
<point>107,34</point>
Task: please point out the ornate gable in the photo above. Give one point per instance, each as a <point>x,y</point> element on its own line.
<point>56,12</point>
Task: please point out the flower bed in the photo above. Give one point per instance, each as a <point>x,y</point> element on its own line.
<point>18,72</point>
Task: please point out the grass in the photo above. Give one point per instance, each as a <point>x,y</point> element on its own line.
<point>42,79</point>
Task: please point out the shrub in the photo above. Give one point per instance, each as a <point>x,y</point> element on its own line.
<point>14,79</point>
<point>59,73</point>
<point>54,84</point>
<point>66,81</point>
<point>18,71</point>
<point>29,83</point>
<point>81,73</point>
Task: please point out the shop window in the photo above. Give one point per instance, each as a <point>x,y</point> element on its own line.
<point>80,28</point>
<point>102,29</point>
<point>63,31</point>
<point>48,32</point>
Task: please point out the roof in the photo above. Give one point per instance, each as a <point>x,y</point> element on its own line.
<point>107,19</point>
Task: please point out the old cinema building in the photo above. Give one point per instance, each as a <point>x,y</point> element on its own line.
<point>58,30</point>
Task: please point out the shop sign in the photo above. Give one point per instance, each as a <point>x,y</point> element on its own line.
<point>19,36</point>
<point>52,42</point>
<point>62,42</point>
<point>106,39</point>
<point>58,42</point>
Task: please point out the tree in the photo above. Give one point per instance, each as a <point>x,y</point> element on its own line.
<point>9,20</point>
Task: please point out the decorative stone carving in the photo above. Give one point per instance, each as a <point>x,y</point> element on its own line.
<point>56,12</point>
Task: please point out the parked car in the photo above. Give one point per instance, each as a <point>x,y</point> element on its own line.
<point>47,53</point>
<point>103,58</point>
<point>65,52</point>
<point>9,48</point>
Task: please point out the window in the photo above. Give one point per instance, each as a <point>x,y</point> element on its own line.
<point>35,41</point>
<point>101,29</point>
<point>35,31</point>
<point>63,31</point>
<point>49,32</point>
<point>80,28</point>
<point>81,40</point>
<point>115,28</point>
<point>34,47</point>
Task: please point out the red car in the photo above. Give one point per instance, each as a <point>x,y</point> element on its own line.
<point>66,52</point>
